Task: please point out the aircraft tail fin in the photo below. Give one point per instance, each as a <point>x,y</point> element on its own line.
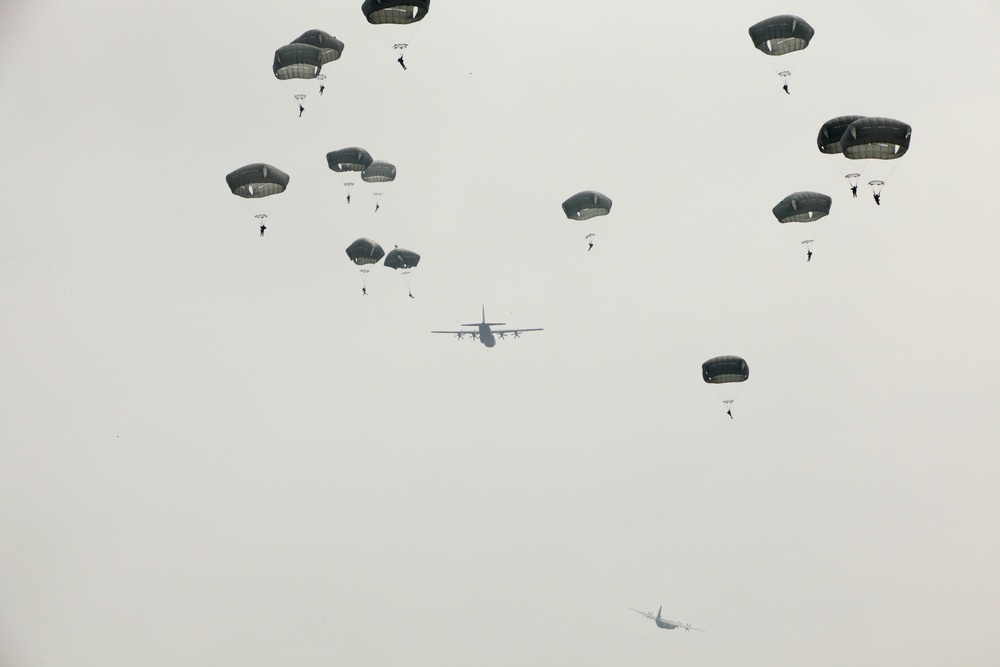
<point>658,612</point>
<point>492,324</point>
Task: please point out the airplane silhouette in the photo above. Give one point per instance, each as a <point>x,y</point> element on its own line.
<point>485,334</point>
<point>664,623</point>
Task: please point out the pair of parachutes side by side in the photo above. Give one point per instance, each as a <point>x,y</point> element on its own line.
<point>364,252</point>
<point>865,139</point>
<point>300,62</point>
<point>355,160</point>
<point>779,36</point>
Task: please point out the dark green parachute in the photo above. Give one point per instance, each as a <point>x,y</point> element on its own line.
<point>828,139</point>
<point>720,370</point>
<point>802,207</point>
<point>330,47</point>
<point>585,205</point>
<point>877,138</point>
<point>379,172</point>
<point>398,258</point>
<point>297,61</point>
<point>257,180</point>
<point>349,159</point>
<point>779,35</point>
<point>365,251</point>
<point>397,12</point>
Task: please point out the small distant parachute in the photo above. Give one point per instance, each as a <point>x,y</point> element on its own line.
<point>298,66</point>
<point>721,370</point>
<point>584,206</point>
<point>377,174</point>
<point>399,258</point>
<point>781,35</point>
<point>803,207</point>
<point>403,260</point>
<point>397,20</point>
<point>330,47</point>
<point>257,181</point>
<point>876,139</point>
<point>364,252</point>
<point>348,161</point>
<point>727,371</point>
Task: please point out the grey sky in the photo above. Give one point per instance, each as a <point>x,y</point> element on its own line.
<point>215,450</point>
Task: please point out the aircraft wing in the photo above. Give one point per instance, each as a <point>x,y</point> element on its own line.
<point>514,332</point>
<point>647,614</point>
<point>461,334</point>
<point>687,626</point>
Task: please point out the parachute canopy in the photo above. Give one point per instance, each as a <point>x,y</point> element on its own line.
<point>802,207</point>
<point>720,370</point>
<point>398,258</point>
<point>379,172</point>
<point>365,251</point>
<point>828,139</point>
<point>297,61</point>
<point>779,35</point>
<point>398,12</point>
<point>330,47</point>
<point>586,204</point>
<point>349,159</point>
<point>876,138</point>
<point>257,180</point>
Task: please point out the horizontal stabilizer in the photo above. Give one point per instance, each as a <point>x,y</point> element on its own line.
<point>491,324</point>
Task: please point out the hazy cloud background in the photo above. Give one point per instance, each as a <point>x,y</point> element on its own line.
<point>216,451</point>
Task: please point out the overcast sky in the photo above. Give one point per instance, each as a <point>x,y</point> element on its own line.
<point>214,450</point>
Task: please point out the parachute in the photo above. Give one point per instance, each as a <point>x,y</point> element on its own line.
<point>803,207</point>
<point>298,66</point>
<point>364,252</point>
<point>402,260</point>
<point>377,174</point>
<point>781,35</point>
<point>726,370</point>
<point>828,142</point>
<point>828,139</point>
<point>584,206</point>
<point>397,20</point>
<point>876,139</point>
<point>256,181</point>
<point>330,47</point>
<point>347,161</point>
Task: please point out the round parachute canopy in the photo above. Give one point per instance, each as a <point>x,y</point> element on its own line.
<point>379,172</point>
<point>257,180</point>
<point>725,369</point>
<point>331,47</point>
<point>779,35</point>
<point>802,207</point>
<point>398,258</point>
<point>876,138</point>
<point>365,251</point>
<point>349,159</point>
<point>828,139</point>
<point>297,61</point>
<point>398,12</point>
<point>586,204</point>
